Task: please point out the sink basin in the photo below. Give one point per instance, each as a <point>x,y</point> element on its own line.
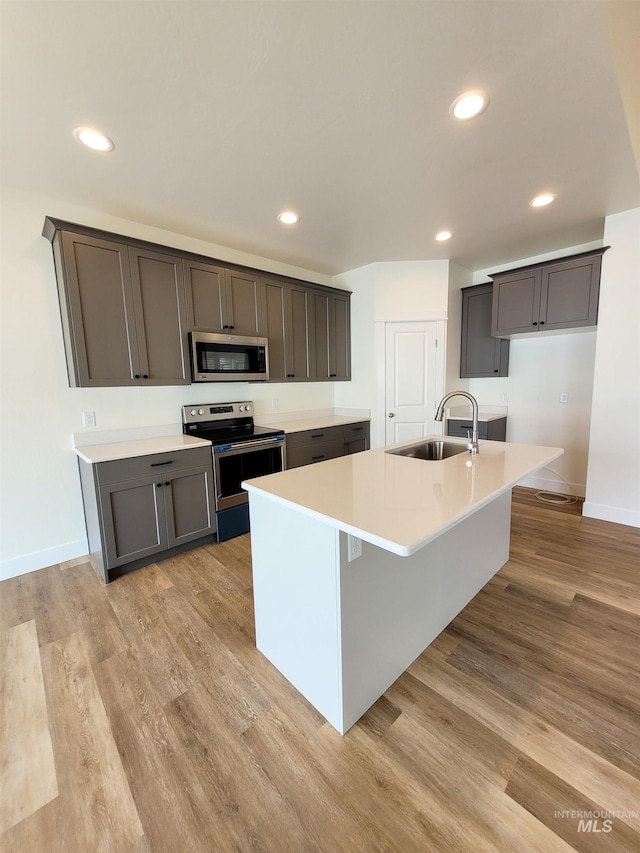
<point>431,449</point>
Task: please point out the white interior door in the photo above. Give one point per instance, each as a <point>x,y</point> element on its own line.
<point>412,386</point>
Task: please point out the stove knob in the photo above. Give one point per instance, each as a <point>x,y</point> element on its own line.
<point>248,407</point>
<point>201,411</point>
<point>193,412</point>
<point>241,409</point>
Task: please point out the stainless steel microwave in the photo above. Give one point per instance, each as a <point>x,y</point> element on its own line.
<point>228,358</point>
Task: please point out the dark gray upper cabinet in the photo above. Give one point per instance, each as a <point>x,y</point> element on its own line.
<point>160,318</point>
<point>221,299</point>
<point>123,311</point>
<point>287,312</point>
<point>127,307</point>
<point>481,354</point>
<point>558,294</point>
<point>332,336</point>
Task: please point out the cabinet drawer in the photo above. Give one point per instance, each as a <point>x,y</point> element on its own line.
<point>460,428</point>
<point>136,467</point>
<point>307,454</point>
<point>313,436</point>
<point>493,430</point>
<point>357,430</point>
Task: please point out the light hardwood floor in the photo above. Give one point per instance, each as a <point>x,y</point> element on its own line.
<point>139,716</point>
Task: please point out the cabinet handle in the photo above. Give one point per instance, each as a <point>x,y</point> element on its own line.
<point>225,326</point>
<point>159,464</point>
<point>333,374</point>
<point>317,435</point>
<point>496,370</point>
<point>136,376</point>
<point>542,322</point>
<point>357,429</point>
<point>535,323</point>
<point>232,327</point>
<point>318,457</point>
<point>168,483</point>
<point>158,485</point>
<point>145,375</point>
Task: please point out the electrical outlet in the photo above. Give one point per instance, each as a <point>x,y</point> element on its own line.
<point>564,397</point>
<point>505,398</point>
<point>275,404</point>
<point>354,547</point>
<point>89,419</point>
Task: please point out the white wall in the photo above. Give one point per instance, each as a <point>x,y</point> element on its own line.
<point>459,277</point>
<point>41,515</point>
<point>383,293</point>
<point>540,368</point>
<point>613,482</point>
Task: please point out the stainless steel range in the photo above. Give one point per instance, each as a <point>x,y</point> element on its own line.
<point>241,450</point>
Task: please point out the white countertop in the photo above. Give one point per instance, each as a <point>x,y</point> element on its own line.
<point>138,447</point>
<point>314,422</point>
<point>482,416</point>
<point>400,503</point>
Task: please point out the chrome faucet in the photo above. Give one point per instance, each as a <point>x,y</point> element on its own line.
<point>472,444</point>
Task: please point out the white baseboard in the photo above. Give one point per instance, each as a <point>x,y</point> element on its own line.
<point>611,513</point>
<point>41,559</point>
<point>547,484</point>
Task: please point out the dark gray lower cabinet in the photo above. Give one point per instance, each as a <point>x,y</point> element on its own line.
<point>493,430</point>
<point>147,505</point>
<point>317,445</point>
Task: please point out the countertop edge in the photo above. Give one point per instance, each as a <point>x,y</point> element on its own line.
<point>96,453</point>
<point>389,545</point>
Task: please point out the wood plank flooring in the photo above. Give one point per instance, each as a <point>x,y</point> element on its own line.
<point>139,716</point>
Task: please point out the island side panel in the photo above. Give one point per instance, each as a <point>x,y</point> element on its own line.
<point>295,563</point>
<point>393,607</point>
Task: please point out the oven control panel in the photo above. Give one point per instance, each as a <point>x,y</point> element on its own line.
<point>216,411</point>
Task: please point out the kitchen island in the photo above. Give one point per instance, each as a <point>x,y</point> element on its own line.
<point>361,561</point>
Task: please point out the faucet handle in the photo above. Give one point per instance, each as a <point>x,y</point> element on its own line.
<point>470,445</point>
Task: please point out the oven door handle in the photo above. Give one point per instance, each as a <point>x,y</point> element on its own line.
<point>260,442</point>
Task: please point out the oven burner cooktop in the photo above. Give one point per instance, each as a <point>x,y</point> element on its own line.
<point>224,423</point>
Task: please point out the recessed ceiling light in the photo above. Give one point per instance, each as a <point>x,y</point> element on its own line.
<point>93,139</point>
<point>469,105</point>
<point>288,217</point>
<point>444,235</point>
<point>542,200</point>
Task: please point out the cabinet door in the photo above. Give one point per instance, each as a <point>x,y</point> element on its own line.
<point>243,303</point>
<point>355,445</point>
<point>298,332</point>
<point>189,505</point>
<point>205,292</point>
<point>516,303</point>
<point>160,312</point>
<point>133,518</point>
<point>275,317</point>
<point>98,316</point>
<point>339,337</point>
<point>481,354</point>
<point>570,294</point>
<point>321,334</point>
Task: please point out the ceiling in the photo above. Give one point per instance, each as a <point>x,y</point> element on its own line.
<point>225,112</point>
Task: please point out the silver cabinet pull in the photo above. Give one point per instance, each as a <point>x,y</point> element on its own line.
<point>392,414</point>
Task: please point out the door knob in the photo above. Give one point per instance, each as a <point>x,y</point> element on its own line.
<point>392,414</point>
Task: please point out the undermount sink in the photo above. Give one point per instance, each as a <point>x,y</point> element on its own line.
<point>433,449</point>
